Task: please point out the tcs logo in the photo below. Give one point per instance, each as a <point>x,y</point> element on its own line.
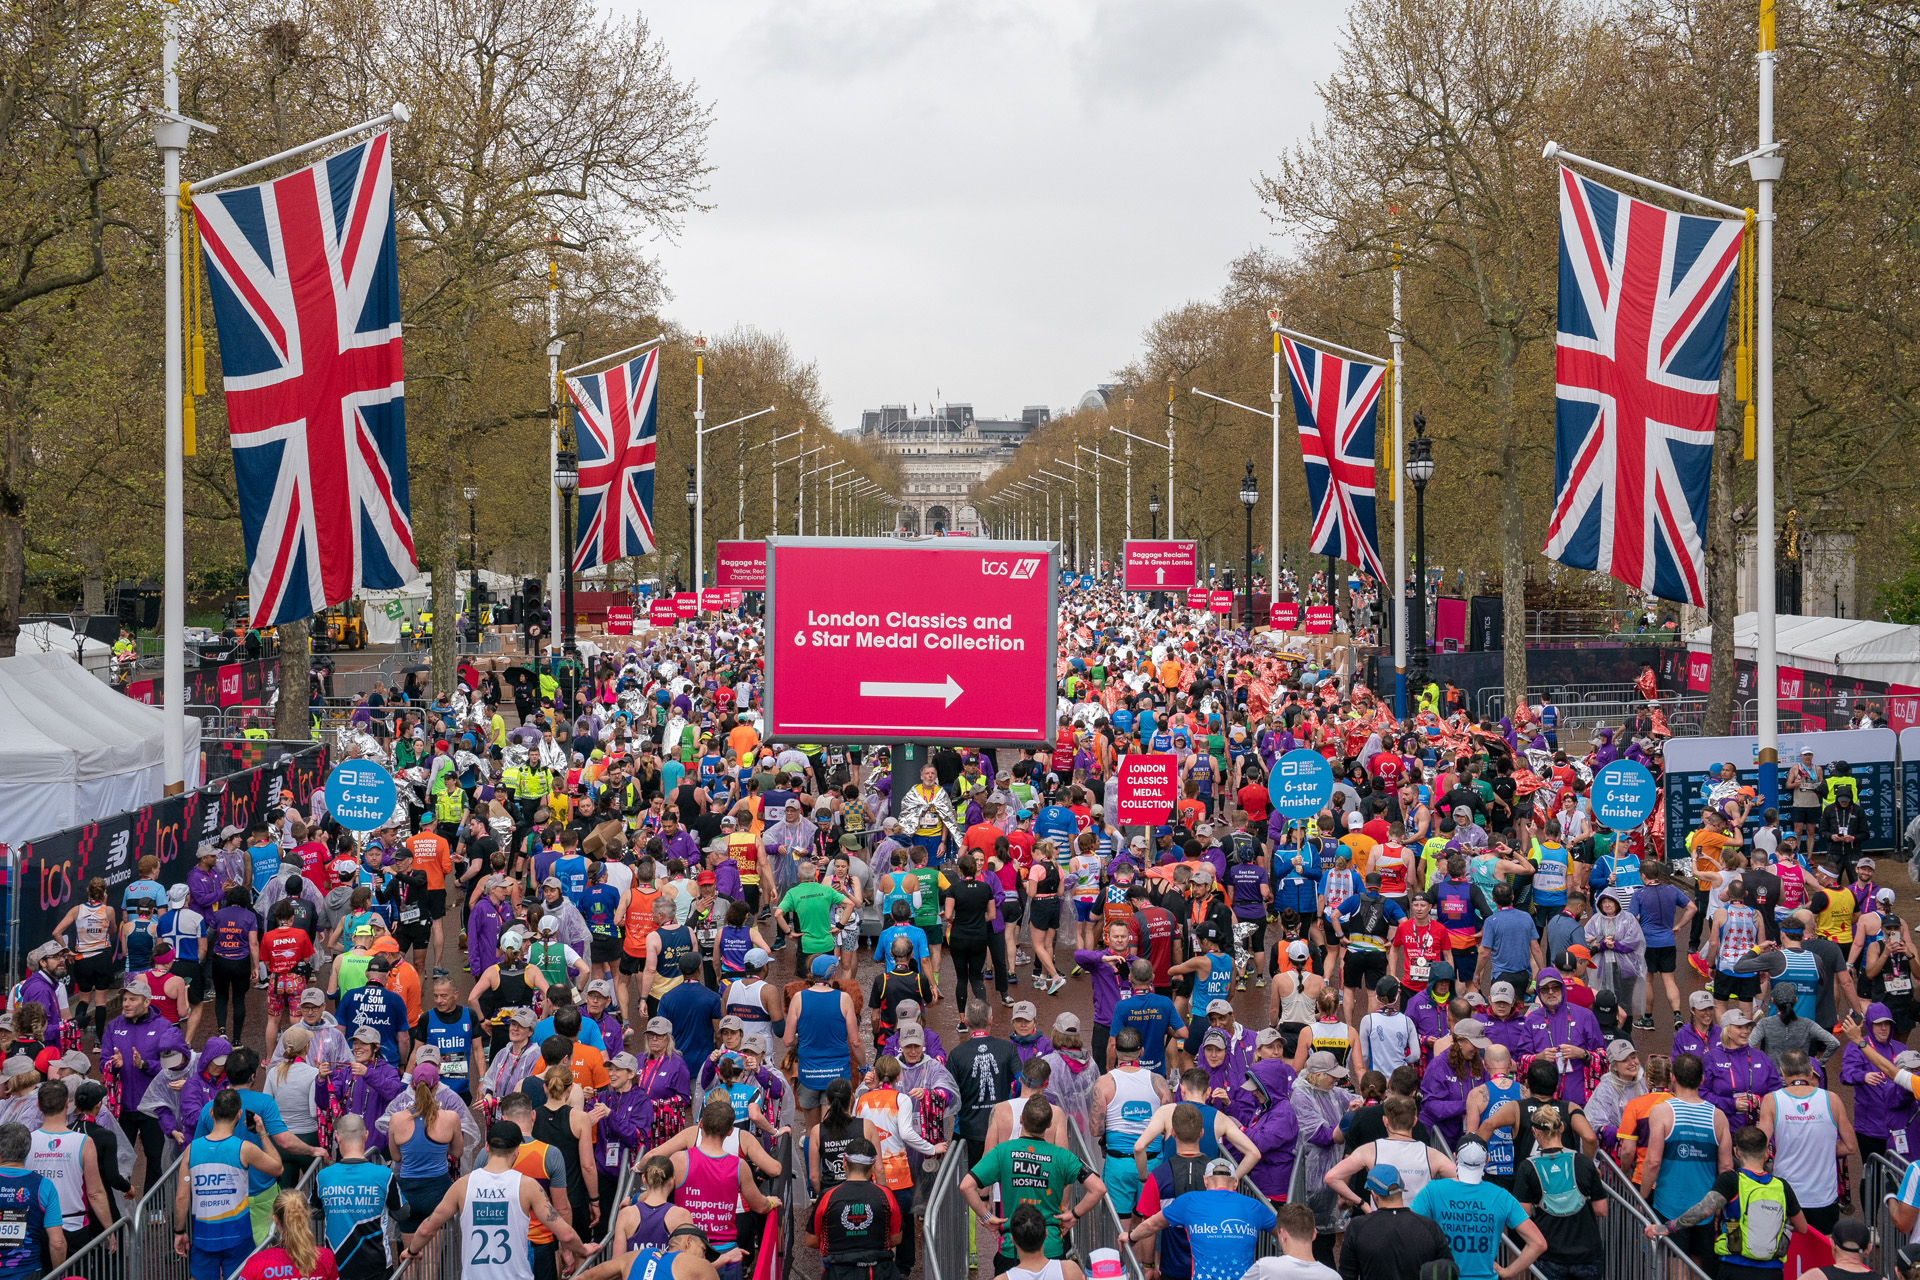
<point>1015,570</point>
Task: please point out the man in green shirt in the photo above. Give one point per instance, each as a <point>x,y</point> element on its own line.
<point>1030,1170</point>
<point>812,905</point>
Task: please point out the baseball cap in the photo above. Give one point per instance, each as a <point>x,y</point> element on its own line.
<point>1907,1060</point>
<point>1219,1006</point>
<point>908,1010</point>
<point>824,965</point>
<point>504,1134</point>
<point>1267,1036</point>
<point>1069,1024</point>
<point>1024,1010</point>
<point>705,877</point>
<point>1220,1167</point>
<point>314,997</point>
<point>549,925</point>
<point>139,987</point>
<point>75,1061</point>
<point>1620,1050</point>
<point>427,1073</point>
<point>1735,1018</point>
<point>1700,1000</point>
<point>912,1033</point>
<point>1215,1036</point>
<point>366,1035</point>
<point>1579,952</point>
<point>756,958</point>
<point>1297,951</point>
<point>177,896</point>
<point>1502,991</point>
<point>525,1018</point>
<point>1883,895</point>
<point>600,987</point>
<point>1353,822</point>
<point>624,1061</point>
<point>659,1027</point>
<point>1470,1161</point>
<point>429,1053</point>
<point>552,882</point>
<point>1852,1235</point>
<point>1324,1061</point>
<point>366,931</point>
<point>732,1023</point>
<point>1473,1031</point>
<point>1384,1180</point>
<point>1867,863</point>
<point>1806,751</point>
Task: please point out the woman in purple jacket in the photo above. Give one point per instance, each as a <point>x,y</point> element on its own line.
<point>367,1084</point>
<point>1265,1097</point>
<point>1880,1107</point>
<point>1450,1078</point>
<point>622,1132</point>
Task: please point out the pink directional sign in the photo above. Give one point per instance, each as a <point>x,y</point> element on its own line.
<point>687,604</point>
<point>1199,598</point>
<point>1161,565</point>
<point>876,640</point>
<point>740,564</point>
<point>661,612</point>
<point>1149,788</point>
<point>1284,614</point>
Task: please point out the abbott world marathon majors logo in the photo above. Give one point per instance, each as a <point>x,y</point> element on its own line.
<point>1016,569</point>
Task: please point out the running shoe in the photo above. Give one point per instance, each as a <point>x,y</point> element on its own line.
<point>1053,989</point>
<point>1645,1023</point>
<point>1260,980</point>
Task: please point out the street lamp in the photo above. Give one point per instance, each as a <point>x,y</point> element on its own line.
<point>566,478</point>
<point>1249,498</point>
<point>473,557</point>
<point>1153,511</point>
<point>693,502</point>
<point>1419,471</point>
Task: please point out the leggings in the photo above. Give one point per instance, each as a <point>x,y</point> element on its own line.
<point>1002,971</point>
<point>233,977</point>
<point>969,966</point>
<point>903,1252</point>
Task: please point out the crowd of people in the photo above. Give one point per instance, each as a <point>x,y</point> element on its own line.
<point>1389,1033</point>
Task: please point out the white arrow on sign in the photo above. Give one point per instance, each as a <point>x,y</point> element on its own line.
<point>910,689</point>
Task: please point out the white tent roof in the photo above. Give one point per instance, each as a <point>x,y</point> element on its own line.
<point>51,637</point>
<point>71,748</point>
<point>1884,651</point>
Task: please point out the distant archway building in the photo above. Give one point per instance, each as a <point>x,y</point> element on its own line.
<point>943,454</point>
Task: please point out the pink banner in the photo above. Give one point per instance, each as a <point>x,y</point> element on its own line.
<point>620,620</point>
<point>1903,706</point>
<point>1449,624</point>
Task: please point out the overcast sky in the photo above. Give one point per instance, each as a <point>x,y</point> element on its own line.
<point>984,199</point>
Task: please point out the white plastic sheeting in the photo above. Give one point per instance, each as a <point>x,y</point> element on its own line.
<point>1865,650</point>
<point>73,750</point>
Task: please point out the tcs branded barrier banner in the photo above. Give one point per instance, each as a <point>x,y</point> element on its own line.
<point>1692,767</point>
<point>54,870</point>
<point>233,684</point>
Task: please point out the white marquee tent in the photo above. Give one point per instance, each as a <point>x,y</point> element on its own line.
<point>73,750</point>
<point>1885,651</point>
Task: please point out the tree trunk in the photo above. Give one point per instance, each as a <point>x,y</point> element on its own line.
<point>446,589</point>
<point>13,537</point>
<point>93,583</point>
<point>1513,531</point>
<point>292,721</point>
<point>1723,573</point>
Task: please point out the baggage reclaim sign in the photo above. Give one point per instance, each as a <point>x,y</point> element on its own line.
<point>882,639</point>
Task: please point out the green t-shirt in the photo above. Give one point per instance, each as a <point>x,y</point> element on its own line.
<point>1029,1171</point>
<point>812,905</point>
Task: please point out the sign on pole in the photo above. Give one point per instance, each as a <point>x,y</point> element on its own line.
<point>1301,784</point>
<point>1623,795</point>
<point>686,604</point>
<point>361,795</point>
<point>1199,598</point>
<point>619,619</point>
<point>878,639</point>
<point>1160,565</point>
<point>713,599</point>
<point>661,613</point>
<point>1319,619</point>
<point>1223,602</point>
<point>1149,788</point>
<point>740,564</point>
<point>1284,614</point>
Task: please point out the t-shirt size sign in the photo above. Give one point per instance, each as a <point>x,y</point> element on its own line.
<point>1160,564</point>
<point>1149,788</point>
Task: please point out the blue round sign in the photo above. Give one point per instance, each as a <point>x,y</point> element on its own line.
<point>1623,795</point>
<point>361,795</point>
<point>1301,784</point>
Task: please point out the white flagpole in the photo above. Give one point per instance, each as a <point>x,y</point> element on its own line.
<point>1395,597</point>
<point>553,436</point>
<point>171,136</point>
<point>699,461</point>
<point>1765,168</point>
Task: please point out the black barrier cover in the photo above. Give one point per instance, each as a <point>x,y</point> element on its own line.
<point>1685,795</point>
<point>54,870</point>
<point>1486,619</point>
<point>1593,663</point>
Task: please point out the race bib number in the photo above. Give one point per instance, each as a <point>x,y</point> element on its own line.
<point>1899,986</point>
<point>453,1068</point>
<point>12,1231</point>
<point>409,915</point>
<point>1418,968</point>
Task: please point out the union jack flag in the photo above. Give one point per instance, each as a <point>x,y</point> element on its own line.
<point>619,413</point>
<point>306,300</point>
<point>1644,296</point>
<point>1337,403</point>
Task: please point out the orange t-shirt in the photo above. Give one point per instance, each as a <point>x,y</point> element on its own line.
<point>1632,1118</point>
<point>1706,847</point>
<point>1170,674</point>
<point>532,1163</point>
<point>1192,812</point>
<point>980,836</point>
<point>589,1067</point>
<point>742,739</point>
<point>430,855</point>
<point>404,980</point>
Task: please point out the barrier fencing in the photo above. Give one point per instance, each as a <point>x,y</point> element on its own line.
<point>948,1223</point>
<point>1880,1179</point>
<point>139,1246</point>
<point>602,1251</point>
<point>1629,1254</point>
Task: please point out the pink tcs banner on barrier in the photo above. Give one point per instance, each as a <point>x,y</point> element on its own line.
<point>1160,565</point>
<point>740,564</point>
<point>619,620</point>
<point>1699,667</point>
<point>873,640</point>
<point>1149,788</point>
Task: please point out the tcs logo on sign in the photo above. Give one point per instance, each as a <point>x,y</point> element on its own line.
<point>1015,570</point>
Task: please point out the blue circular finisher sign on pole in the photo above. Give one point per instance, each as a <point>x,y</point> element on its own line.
<point>361,795</point>
<point>1301,784</point>
<point>1623,795</point>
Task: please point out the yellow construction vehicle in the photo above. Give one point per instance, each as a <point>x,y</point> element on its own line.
<point>342,627</point>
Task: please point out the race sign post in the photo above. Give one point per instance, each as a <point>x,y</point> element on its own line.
<point>1222,602</point>
<point>686,604</point>
<point>661,613</point>
<point>1301,784</point>
<point>1624,795</point>
<point>1284,615</point>
<point>1149,788</point>
<point>890,640</point>
<point>1319,619</point>
<point>1199,598</point>
<point>361,795</point>
<point>1160,565</point>
<point>740,564</point>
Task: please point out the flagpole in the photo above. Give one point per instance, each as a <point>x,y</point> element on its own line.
<point>1397,598</point>
<point>1273,476</point>
<point>171,137</point>
<point>699,460</point>
<point>1765,168</point>
<point>553,430</point>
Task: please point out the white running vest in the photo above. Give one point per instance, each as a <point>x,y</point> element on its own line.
<point>493,1228</point>
<point>1804,1139</point>
<point>56,1157</point>
<point>1410,1158</point>
<point>1134,1102</point>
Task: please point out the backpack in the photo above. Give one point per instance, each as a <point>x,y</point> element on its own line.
<point>1756,1224</point>
<point>1560,1194</point>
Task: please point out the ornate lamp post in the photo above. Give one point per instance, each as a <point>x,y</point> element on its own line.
<point>1249,498</point>
<point>473,555</point>
<point>1419,471</point>
<point>1153,511</point>
<point>566,477</point>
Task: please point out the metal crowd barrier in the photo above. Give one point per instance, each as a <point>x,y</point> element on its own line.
<point>624,1188</point>
<point>1101,1229</point>
<point>948,1230</point>
<point>1880,1179</point>
<point>1630,1255</point>
<point>132,1249</point>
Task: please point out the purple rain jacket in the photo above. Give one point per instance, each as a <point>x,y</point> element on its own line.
<point>1443,1100</point>
<point>1274,1127</point>
<point>147,1036</point>
<point>485,923</point>
<point>367,1096</point>
<point>1571,1025</point>
<point>199,1086</point>
<point>1874,1105</point>
<point>1731,1071</point>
